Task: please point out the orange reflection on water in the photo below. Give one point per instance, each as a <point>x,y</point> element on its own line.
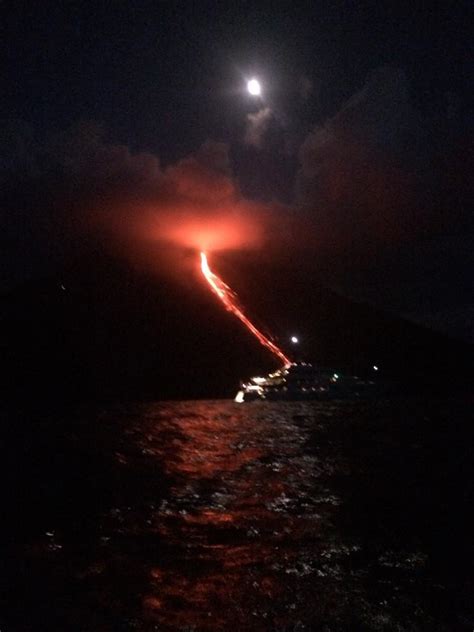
<point>203,447</point>
<point>204,601</point>
<point>228,520</point>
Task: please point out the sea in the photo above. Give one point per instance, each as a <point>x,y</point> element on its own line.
<point>212,515</point>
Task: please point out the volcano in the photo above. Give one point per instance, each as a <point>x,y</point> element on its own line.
<point>105,330</point>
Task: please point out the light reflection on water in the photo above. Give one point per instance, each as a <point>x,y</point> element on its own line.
<point>204,515</point>
<point>244,514</point>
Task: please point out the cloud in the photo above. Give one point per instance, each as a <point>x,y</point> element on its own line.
<point>257,125</point>
<point>383,194</point>
<point>203,207</point>
<point>372,173</point>
<point>74,188</point>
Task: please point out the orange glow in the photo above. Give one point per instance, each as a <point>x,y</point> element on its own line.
<point>229,298</point>
<point>213,231</point>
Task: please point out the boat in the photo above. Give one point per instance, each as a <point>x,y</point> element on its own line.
<point>301,381</point>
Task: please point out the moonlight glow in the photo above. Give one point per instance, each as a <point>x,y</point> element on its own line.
<point>254,87</point>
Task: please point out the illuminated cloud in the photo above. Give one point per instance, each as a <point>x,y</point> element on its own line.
<point>76,187</point>
<point>257,125</point>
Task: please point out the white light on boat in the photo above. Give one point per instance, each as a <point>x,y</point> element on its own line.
<point>239,398</point>
<point>375,368</point>
<point>336,376</point>
<point>294,340</point>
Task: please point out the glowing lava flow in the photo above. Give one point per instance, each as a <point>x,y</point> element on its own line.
<point>229,298</point>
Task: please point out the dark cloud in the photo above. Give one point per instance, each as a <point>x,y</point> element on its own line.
<point>384,193</point>
<point>380,168</point>
<point>306,88</point>
<point>364,171</point>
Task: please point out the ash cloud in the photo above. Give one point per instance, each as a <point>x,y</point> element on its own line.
<point>380,169</point>
<point>383,192</point>
<point>364,171</point>
<point>64,192</point>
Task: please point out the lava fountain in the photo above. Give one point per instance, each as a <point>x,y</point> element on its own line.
<point>229,299</point>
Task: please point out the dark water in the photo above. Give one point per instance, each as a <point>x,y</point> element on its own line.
<point>210,515</point>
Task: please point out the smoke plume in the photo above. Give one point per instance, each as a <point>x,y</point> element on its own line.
<point>257,125</point>
<point>60,193</point>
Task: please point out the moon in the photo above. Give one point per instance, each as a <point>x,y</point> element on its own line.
<point>254,87</point>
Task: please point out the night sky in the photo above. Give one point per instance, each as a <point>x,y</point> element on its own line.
<point>357,160</point>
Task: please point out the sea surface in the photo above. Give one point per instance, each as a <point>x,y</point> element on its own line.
<point>211,515</point>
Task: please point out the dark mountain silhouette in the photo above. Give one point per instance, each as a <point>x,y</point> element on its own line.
<point>105,330</point>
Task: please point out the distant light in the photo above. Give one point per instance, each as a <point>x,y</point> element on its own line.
<point>336,376</point>
<point>254,87</point>
<point>294,340</point>
<point>375,368</point>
